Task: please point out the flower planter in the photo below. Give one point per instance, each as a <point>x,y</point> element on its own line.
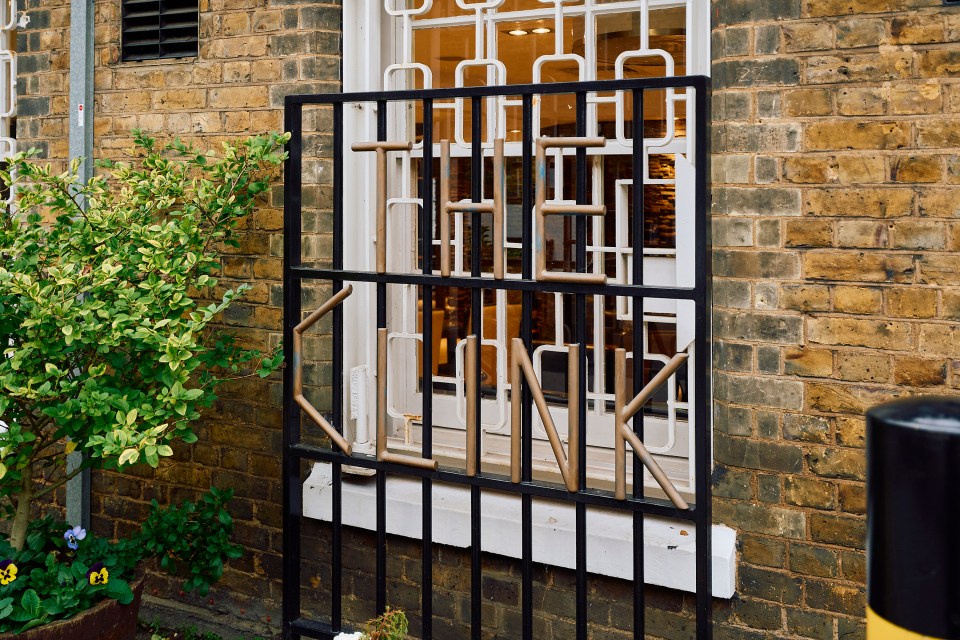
<point>108,620</point>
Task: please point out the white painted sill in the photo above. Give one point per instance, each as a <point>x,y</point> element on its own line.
<point>669,545</point>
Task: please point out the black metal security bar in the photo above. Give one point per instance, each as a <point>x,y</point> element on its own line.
<point>296,451</point>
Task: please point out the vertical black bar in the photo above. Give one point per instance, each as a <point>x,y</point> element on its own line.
<point>476,310</point>
<point>381,598</point>
<point>426,232</point>
<point>702,366</point>
<point>336,600</point>
<point>581,339</point>
<point>637,242</point>
<point>526,333</point>
<point>292,489</point>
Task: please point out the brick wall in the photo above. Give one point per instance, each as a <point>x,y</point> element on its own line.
<point>836,199</point>
<point>837,165</point>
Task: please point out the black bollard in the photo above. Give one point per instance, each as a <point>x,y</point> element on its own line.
<point>913,519</point>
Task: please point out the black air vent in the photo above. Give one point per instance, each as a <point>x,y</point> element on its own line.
<point>155,29</point>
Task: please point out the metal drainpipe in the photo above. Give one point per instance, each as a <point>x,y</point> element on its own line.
<point>81,146</point>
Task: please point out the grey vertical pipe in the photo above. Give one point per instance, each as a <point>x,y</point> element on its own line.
<point>81,146</point>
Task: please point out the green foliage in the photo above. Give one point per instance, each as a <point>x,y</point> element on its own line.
<point>392,625</point>
<point>196,536</point>
<point>106,310</point>
<point>52,581</point>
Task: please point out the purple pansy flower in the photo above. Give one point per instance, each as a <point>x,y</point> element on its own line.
<point>73,536</point>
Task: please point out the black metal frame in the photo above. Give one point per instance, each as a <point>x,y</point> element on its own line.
<point>295,451</point>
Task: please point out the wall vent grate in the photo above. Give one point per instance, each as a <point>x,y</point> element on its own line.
<point>155,29</point>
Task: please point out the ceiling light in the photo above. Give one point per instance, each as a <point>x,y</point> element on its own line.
<point>541,30</point>
<point>517,32</point>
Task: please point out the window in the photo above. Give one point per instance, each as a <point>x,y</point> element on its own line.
<point>155,29</point>
<point>448,43</point>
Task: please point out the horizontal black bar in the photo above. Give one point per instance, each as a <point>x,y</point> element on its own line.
<point>313,629</point>
<point>644,291</point>
<point>677,82</point>
<point>593,497</point>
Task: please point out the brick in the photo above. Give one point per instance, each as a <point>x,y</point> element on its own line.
<point>808,362</point>
<point>808,232</point>
<point>861,32</point>
<point>238,97</point>
<point>772,328</point>
<point>853,498</point>
<point>940,339</point>
<point>805,297</point>
<point>766,39</point>
<point>851,431</point>
<point>767,138</point>
<point>845,399</point>
<point>940,63</point>
<point>732,483</point>
<point>865,234</point>
<point>853,565</point>
<point>916,169</point>
<point>874,333</point>
<point>765,169</point>
<point>756,614</point>
<point>180,99</point>
<point>939,203</point>
<point>738,11</point>
<point>917,29</point>
<point>812,169</point>
<point>842,134</point>
<point>861,101</point>
<point>851,266</point>
<point>768,488</point>
<point>770,585</point>
<point>807,36</point>
<point>951,305</point>
<point>806,428</point>
<point>812,560</point>
<point>849,464</point>
<point>916,99</point>
<point>755,264</point>
<point>938,269</point>
<point>759,550</point>
<point>873,67</point>
<point>766,201</point>
<point>810,624</point>
<point>841,530</point>
<point>809,492</point>
<point>732,232</point>
<point>868,203</point>
<point>953,169</point>
<point>938,133</point>
<point>807,102</point>
<point>751,454</point>
<point>912,302</point>
<point>863,367</point>
<point>731,169</point>
<point>835,597</point>
<point>862,300</point>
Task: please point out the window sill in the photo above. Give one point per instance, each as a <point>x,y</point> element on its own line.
<point>669,552</point>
